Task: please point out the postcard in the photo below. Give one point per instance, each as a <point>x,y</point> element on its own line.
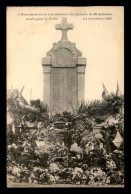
<point>65,96</point>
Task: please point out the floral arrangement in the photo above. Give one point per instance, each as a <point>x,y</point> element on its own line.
<point>96,176</point>
<point>54,161</point>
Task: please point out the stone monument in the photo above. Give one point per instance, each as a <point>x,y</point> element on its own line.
<point>64,74</point>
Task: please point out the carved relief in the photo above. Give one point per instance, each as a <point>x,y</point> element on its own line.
<point>64,55</point>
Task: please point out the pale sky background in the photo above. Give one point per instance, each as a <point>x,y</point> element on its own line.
<point>100,41</point>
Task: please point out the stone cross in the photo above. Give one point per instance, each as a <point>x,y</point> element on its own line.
<point>64,27</point>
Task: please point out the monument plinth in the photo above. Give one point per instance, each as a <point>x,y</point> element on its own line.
<point>64,73</point>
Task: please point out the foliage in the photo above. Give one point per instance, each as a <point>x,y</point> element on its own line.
<point>22,113</point>
<point>39,105</point>
<point>44,155</point>
<point>100,108</point>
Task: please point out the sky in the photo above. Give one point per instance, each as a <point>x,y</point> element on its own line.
<point>100,41</point>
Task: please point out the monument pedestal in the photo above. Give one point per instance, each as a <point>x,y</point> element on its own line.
<point>64,73</point>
